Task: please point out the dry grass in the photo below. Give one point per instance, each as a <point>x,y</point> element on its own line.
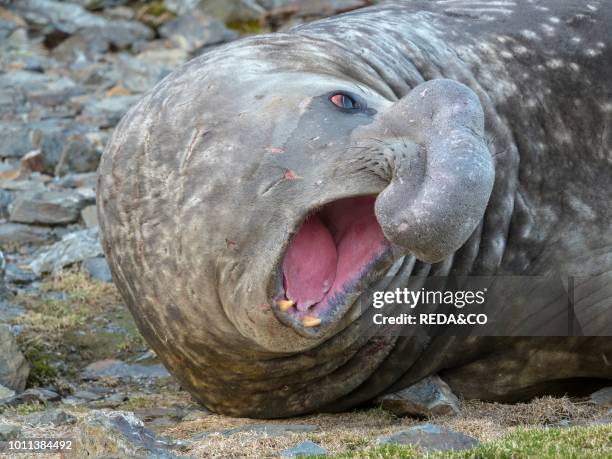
<point>356,432</point>
<point>86,322</point>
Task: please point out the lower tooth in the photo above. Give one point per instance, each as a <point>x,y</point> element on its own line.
<point>285,305</point>
<point>310,321</point>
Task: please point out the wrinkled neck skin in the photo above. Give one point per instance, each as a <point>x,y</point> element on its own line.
<point>258,367</point>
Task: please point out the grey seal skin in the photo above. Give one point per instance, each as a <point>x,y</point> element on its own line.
<point>255,193</point>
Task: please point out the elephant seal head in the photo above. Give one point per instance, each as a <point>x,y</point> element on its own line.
<point>248,200</point>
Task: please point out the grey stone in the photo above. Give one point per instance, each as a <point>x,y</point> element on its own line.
<point>87,395</point>
<point>47,207</point>
<point>55,417</point>
<point>14,369</point>
<point>83,180</point>
<point>9,22</point>
<point>9,431</point>
<point>175,413</point>
<point>108,111</point>
<point>72,248</point>
<point>430,438</point>
<point>99,4</point>
<point>196,415</point>
<point>139,73</point>
<point>603,397</point>
<point>34,182</point>
<point>70,18</point>
<point>14,140</point>
<point>9,311</point>
<point>196,30</point>
<point>5,392</point>
<point>429,397</point>
<point>16,275</point>
<point>117,369</point>
<point>306,448</point>
<point>225,10</point>
<point>34,395</point>
<point>55,92</point>
<point>76,146</point>
<point>6,198</point>
<point>62,17</point>
<point>117,397</point>
<point>127,433</point>
<point>87,44</point>
<point>16,233</point>
<point>89,215</point>
<point>98,269</point>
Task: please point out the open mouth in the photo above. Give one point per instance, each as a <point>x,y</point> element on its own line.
<point>328,257</point>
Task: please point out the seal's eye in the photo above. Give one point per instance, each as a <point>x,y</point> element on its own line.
<point>344,101</point>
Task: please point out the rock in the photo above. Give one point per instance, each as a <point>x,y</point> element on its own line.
<point>33,161</point>
<point>78,147</point>
<point>74,247</point>
<point>9,22</point>
<point>16,275</point>
<point>9,431</point>
<point>6,199</point>
<point>602,397</point>
<point>15,139</point>
<point>111,368</point>
<point>89,215</point>
<point>57,18</point>
<point>34,182</point>
<point>143,71</point>
<point>9,312</point>
<point>88,396</point>
<point>50,207</point>
<point>18,234</point>
<point>5,392</point>
<point>108,111</point>
<point>14,369</point>
<point>55,417</point>
<point>35,395</point>
<point>98,269</point>
<point>125,432</point>
<point>429,397</point>
<point>224,10</point>
<point>306,448</point>
<point>88,44</point>
<point>54,92</point>
<point>195,30</point>
<point>431,438</point>
<point>50,16</point>
<point>270,430</point>
<point>118,397</point>
<point>196,415</point>
<point>175,413</point>
<point>99,4</point>
<point>84,180</point>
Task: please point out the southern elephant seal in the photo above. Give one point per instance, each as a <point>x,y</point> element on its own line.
<point>250,198</point>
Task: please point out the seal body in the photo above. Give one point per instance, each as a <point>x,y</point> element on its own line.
<point>257,194</point>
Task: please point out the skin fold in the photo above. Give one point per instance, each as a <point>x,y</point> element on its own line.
<point>485,135</point>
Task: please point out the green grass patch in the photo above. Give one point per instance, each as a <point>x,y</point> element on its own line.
<point>63,335</point>
<point>253,27</point>
<point>541,443</point>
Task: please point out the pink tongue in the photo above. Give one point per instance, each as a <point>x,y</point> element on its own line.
<point>309,267</point>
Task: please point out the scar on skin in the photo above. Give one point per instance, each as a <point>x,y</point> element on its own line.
<point>275,150</point>
<point>290,175</point>
<point>304,103</point>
